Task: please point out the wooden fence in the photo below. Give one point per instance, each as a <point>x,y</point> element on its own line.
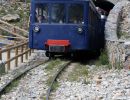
<point>19,50</point>
<point>14,30</point>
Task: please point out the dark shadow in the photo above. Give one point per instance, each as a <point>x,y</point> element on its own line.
<point>83,57</point>
<point>104,4</point>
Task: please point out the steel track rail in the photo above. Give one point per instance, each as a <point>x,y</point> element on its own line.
<point>17,75</point>
<point>55,77</point>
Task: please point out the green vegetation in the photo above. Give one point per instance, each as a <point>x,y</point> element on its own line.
<point>3,33</point>
<point>79,71</point>
<point>55,86</point>
<point>48,82</point>
<point>43,98</point>
<point>28,1</point>
<point>52,64</point>
<point>103,58</point>
<point>51,68</point>
<point>11,86</point>
<point>119,34</point>
<point>118,65</point>
<point>123,35</point>
<point>17,8</point>
<point>2,12</point>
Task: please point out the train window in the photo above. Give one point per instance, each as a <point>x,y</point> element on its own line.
<point>41,13</point>
<point>58,13</point>
<point>76,13</point>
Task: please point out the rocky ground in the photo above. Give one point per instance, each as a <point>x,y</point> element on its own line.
<point>102,85</point>
<point>30,87</point>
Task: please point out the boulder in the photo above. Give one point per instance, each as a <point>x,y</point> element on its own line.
<point>11,17</point>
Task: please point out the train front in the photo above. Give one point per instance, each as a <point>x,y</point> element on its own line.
<point>58,26</point>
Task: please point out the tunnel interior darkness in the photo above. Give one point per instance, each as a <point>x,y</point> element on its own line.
<point>104,4</point>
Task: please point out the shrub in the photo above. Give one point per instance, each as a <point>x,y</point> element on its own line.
<point>103,58</point>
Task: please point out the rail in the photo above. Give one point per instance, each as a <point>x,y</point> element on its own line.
<point>2,36</point>
<point>19,51</point>
<point>12,29</point>
<point>55,77</point>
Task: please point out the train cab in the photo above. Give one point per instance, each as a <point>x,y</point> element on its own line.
<point>60,26</point>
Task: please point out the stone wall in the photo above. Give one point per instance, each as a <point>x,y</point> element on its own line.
<point>117,31</point>
<point>114,1</point>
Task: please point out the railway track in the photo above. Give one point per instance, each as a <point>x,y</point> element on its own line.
<point>36,65</point>
<point>61,68</point>
<point>12,76</point>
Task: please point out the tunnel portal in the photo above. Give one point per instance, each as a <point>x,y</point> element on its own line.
<point>104,4</point>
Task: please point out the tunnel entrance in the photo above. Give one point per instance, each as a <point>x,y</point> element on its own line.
<point>104,4</point>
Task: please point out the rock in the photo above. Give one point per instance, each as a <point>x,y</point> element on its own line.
<point>98,81</point>
<point>45,74</point>
<point>128,73</point>
<point>99,77</point>
<point>117,31</point>
<point>11,17</point>
<point>30,87</point>
<point>127,86</point>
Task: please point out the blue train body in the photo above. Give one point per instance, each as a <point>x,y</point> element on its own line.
<point>65,26</point>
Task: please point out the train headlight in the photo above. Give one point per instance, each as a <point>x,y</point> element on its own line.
<point>36,29</point>
<point>80,30</point>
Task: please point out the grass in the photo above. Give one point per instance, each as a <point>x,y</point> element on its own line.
<point>51,68</point>
<point>13,9</point>
<point>52,64</point>
<point>12,85</point>
<point>120,34</point>
<point>43,98</point>
<point>48,82</point>
<point>118,65</point>
<point>103,58</point>
<point>55,86</point>
<point>79,71</point>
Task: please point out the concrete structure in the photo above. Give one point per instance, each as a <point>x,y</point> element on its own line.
<point>114,1</point>
<point>117,33</point>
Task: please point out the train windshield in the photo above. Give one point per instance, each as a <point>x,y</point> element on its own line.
<point>41,13</point>
<point>76,13</point>
<point>59,13</point>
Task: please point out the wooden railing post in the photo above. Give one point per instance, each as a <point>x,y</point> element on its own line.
<point>0,54</point>
<point>27,52</point>
<point>8,58</point>
<point>30,52</point>
<point>22,52</point>
<point>16,60</point>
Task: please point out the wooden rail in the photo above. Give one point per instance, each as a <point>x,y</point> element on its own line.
<point>19,51</point>
<point>12,29</point>
<point>16,27</point>
<point>2,36</point>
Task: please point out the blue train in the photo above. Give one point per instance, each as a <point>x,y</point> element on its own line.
<point>65,26</point>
